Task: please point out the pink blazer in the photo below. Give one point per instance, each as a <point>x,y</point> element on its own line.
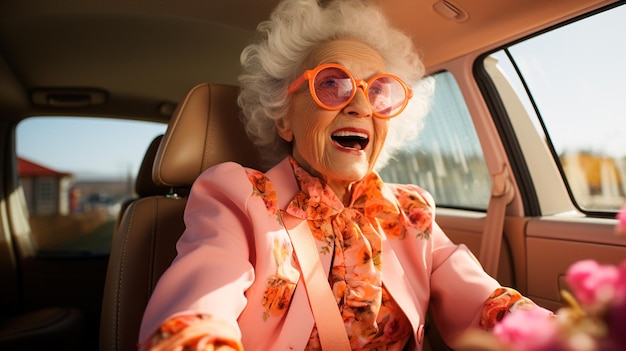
<point>225,256</point>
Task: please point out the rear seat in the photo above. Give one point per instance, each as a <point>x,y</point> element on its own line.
<point>58,328</point>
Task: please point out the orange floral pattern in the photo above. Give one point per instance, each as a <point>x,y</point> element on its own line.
<point>353,236</point>
<point>502,301</point>
<point>194,332</point>
<point>261,186</point>
<point>279,287</point>
<point>175,325</point>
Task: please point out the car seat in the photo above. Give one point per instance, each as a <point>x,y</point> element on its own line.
<point>144,185</point>
<point>205,130</point>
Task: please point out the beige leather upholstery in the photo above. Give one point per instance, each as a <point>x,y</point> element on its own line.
<point>144,185</point>
<point>205,130</point>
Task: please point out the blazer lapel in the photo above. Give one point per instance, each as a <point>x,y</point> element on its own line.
<point>282,178</point>
<point>299,320</point>
<point>396,282</point>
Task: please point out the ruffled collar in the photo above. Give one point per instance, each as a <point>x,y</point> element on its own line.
<point>397,208</point>
<point>316,200</point>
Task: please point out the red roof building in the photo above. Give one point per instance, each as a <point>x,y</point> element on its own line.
<point>28,168</point>
<point>46,190</point>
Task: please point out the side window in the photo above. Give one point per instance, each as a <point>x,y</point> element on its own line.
<point>446,159</point>
<point>76,173</point>
<point>575,80</point>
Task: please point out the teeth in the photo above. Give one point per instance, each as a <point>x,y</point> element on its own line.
<point>344,133</point>
<point>350,139</point>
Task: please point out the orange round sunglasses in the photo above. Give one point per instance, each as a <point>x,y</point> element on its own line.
<point>333,87</point>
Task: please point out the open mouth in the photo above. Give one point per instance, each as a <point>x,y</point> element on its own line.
<point>351,140</point>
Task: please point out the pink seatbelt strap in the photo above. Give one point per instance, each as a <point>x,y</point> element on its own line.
<point>330,327</point>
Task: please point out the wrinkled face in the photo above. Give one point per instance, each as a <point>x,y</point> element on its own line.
<point>341,146</point>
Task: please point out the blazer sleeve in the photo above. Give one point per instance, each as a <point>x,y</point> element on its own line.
<point>212,269</point>
<point>459,287</point>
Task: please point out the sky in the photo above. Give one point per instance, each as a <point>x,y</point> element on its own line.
<point>60,143</point>
<point>566,69</point>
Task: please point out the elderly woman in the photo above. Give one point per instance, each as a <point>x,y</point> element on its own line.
<point>325,94</point>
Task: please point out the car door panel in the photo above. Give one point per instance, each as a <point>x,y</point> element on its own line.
<point>554,245</point>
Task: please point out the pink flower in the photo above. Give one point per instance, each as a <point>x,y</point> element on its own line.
<point>596,321</point>
<point>593,284</point>
<point>529,330</point>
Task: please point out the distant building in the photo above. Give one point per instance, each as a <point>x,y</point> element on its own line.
<point>46,190</point>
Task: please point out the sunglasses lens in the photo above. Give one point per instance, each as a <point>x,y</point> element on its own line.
<point>387,96</point>
<point>333,86</point>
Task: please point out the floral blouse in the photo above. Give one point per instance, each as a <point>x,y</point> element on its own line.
<point>354,233</point>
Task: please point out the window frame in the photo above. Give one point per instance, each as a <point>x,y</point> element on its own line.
<point>22,218</point>
<point>527,180</point>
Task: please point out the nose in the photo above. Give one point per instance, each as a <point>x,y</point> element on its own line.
<point>359,106</point>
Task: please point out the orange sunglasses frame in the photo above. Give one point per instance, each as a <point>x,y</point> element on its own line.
<point>312,73</point>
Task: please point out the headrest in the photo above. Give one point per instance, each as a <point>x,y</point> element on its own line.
<point>144,185</point>
<point>205,130</point>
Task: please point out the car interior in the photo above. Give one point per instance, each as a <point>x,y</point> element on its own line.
<point>526,206</point>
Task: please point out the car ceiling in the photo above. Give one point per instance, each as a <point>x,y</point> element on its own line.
<point>143,55</point>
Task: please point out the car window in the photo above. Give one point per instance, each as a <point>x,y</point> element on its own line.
<point>446,159</point>
<point>572,80</point>
<point>76,173</point>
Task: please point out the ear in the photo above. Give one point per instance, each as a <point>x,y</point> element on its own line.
<point>284,129</point>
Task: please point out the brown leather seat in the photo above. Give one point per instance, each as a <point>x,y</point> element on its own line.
<point>144,185</point>
<point>204,130</point>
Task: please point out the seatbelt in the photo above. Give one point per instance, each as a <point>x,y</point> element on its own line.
<point>328,320</point>
<point>501,195</point>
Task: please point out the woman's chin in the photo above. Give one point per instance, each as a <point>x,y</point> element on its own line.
<point>348,171</point>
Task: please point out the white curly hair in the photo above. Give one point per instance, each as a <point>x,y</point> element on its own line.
<point>285,40</point>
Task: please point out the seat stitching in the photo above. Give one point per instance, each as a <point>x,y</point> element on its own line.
<point>152,246</point>
<point>118,291</point>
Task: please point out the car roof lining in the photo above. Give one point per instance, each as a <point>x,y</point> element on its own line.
<point>141,41</point>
